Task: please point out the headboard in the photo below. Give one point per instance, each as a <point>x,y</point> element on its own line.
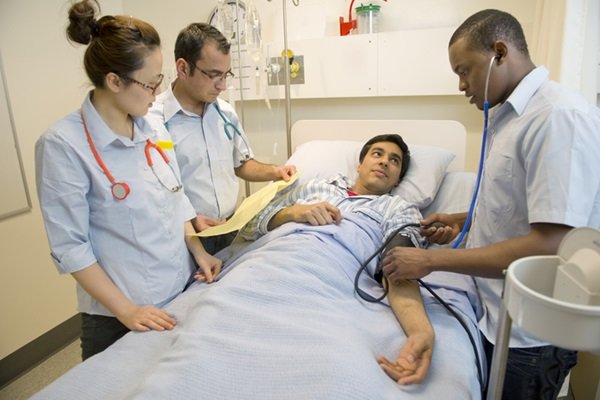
<point>448,134</point>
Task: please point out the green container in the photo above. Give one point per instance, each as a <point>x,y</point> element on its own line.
<point>367,18</point>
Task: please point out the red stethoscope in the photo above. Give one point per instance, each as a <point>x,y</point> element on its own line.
<point>120,190</point>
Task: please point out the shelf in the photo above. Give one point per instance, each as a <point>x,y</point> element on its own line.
<point>400,63</point>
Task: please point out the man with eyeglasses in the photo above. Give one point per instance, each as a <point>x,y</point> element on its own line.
<point>211,147</point>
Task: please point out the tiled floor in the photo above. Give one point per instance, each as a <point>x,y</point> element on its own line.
<point>33,381</point>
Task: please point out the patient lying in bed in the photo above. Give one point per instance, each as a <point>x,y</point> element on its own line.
<point>383,162</point>
<point>283,321</point>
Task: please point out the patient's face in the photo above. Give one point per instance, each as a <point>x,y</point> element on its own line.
<point>380,170</point>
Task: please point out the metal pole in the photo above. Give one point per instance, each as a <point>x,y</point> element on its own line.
<point>500,356</point>
<point>237,35</point>
<point>241,81</point>
<point>288,100</point>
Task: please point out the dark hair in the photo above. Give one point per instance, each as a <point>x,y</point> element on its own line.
<point>482,29</point>
<point>192,39</point>
<point>116,44</point>
<point>392,138</point>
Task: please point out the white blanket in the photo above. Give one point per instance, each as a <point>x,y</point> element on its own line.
<point>282,323</point>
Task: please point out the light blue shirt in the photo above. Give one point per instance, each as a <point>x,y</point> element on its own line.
<point>390,212</point>
<point>138,241</point>
<point>206,156</point>
<point>541,166</point>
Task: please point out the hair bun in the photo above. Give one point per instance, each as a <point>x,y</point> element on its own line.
<point>82,22</point>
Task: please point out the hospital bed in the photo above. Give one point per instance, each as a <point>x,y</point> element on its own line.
<point>283,321</point>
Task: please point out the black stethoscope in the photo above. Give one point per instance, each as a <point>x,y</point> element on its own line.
<point>367,297</point>
<point>120,190</point>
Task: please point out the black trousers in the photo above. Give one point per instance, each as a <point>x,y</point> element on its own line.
<point>534,373</point>
<point>98,332</point>
<point>214,244</point>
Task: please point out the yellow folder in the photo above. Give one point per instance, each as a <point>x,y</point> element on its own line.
<point>251,206</point>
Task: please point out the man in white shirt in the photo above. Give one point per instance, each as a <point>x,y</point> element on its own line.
<point>211,147</point>
<point>543,140</point>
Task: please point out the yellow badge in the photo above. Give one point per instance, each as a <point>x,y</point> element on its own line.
<point>165,144</point>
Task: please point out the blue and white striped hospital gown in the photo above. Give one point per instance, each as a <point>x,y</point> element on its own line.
<point>390,212</point>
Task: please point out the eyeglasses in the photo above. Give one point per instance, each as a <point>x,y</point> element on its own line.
<point>151,88</point>
<point>215,76</point>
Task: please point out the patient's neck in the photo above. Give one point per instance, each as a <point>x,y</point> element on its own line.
<point>362,190</point>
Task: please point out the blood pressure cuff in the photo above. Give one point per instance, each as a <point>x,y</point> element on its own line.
<point>402,240</point>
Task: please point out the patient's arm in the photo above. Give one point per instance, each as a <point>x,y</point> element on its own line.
<point>322,213</point>
<point>413,362</point>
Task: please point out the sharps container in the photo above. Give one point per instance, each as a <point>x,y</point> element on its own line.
<point>367,17</point>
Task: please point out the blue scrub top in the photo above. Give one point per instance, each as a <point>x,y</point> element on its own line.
<point>206,156</point>
<point>138,241</point>
<point>540,166</point>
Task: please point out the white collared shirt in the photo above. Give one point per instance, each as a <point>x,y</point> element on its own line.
<point>138,241</point>
<point>542,158</point>
<point>205,154</point>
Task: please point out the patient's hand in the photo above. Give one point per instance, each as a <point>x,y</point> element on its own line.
<point>202,222</point>
<point>322,213</point>
<point>413,362</point>
<point>414,359</point>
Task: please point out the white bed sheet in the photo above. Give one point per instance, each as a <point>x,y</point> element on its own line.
<point>283,323</point>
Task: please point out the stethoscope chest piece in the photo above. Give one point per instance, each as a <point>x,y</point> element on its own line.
<point>120,190</point>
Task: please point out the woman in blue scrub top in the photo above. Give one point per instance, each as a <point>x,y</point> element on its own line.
<point>111,198</point>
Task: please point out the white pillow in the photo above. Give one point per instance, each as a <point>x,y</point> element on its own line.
<point>454,195</point>
<point>326,158</point>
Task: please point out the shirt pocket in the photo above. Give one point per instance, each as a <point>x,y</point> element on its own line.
<point>500,176</point>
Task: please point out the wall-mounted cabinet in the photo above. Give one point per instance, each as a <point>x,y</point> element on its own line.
<point>400,63</point>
